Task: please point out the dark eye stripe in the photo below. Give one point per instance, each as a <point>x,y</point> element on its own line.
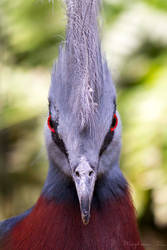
<point>59,142</point>
<point>107,141</point>
<point>109,135</point>
<point>55,136</point>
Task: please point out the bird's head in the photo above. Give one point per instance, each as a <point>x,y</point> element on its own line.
<point>82,106</point>
<point>78,147</point>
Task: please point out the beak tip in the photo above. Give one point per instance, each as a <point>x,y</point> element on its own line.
<point>86,223</point>
<point>85,219</point>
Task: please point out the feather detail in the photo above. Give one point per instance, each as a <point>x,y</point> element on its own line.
<point>59,226</point>
<point>80,61</point>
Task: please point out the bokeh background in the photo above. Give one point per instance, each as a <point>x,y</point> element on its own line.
<point>134,38</point>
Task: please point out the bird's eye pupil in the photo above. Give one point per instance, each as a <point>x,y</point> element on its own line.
<point>114,123</point>
<point>50,124</point>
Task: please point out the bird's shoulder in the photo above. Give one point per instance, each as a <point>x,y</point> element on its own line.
<point>7,225</point>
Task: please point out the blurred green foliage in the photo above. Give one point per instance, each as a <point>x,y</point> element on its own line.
<point>135,42</point>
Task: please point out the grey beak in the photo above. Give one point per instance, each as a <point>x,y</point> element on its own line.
<point>84,177</point>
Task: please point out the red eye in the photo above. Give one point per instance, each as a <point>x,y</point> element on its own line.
<point>50,126</point>
<point>114,123</point>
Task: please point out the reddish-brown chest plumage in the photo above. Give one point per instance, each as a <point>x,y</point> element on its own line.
<point>59,227</point>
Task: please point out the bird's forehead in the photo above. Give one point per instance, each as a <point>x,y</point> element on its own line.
<point>89,138</point>
<point>96,122</point>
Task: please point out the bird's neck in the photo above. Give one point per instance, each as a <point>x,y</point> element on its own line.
<point>53,225</point>
<point>56,223</point>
